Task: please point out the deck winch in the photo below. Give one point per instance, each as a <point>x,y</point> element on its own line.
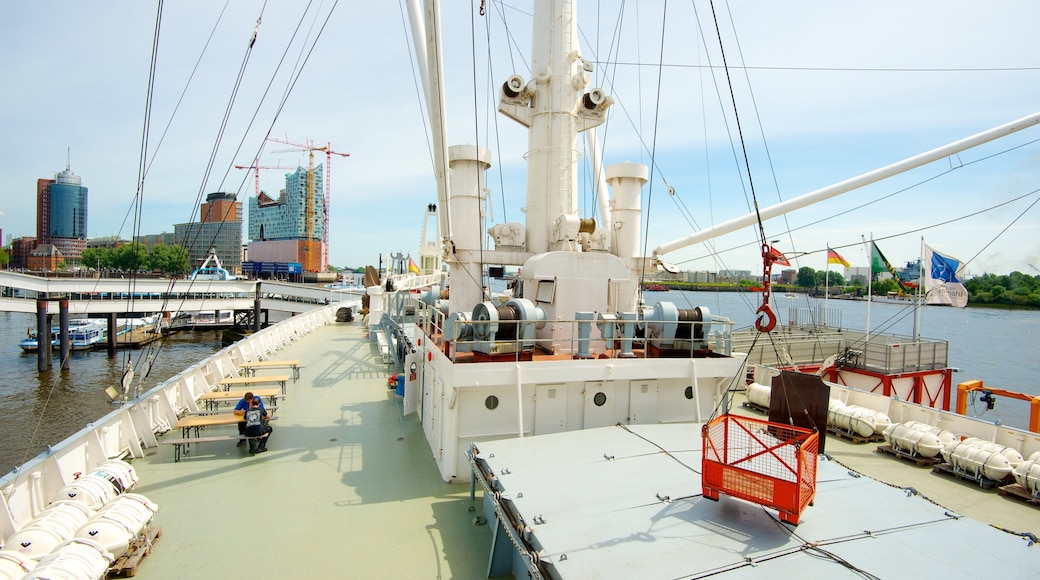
<point>672,328</point>
<point>506,328</point>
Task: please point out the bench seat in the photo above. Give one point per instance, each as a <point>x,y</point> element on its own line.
<point>180,445</point>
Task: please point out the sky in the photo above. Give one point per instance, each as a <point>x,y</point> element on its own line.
<point>823,91</point>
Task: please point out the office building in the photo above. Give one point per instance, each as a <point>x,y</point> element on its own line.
<point>61,215</point>
<point>279,228</point>
<point>219,227</point>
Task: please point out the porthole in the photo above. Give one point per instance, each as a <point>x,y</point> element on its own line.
<point>599,399</point>
<point>689,392</point>
<point>491,402</point>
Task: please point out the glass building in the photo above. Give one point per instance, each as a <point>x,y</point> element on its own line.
<point>284,218</point>
<point>68,207</point>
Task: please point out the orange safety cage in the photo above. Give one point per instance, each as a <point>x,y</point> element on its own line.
<point>770,464</point>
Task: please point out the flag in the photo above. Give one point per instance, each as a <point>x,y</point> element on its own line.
<point>942,279</point>
<point>835,258</point>
<point>777,257</point>
<point>879,263</point>
<point>412,267</point>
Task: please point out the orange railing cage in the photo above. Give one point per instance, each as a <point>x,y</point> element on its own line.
<point>770,464</point>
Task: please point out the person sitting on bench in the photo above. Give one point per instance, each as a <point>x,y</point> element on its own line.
<point>240,410</point>
<point>256,425</point>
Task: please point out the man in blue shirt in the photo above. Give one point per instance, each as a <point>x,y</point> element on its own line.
<point>256,426</point>
<point>240,409</point>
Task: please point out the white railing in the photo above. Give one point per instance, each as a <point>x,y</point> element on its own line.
<point>129,430</point>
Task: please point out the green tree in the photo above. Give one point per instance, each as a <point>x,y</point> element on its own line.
<point>883,287</point>
<point>97,258</point>
<point>132,256</point>
<point>5,258</point>
<point>806,277</point>
<point>169,259</point>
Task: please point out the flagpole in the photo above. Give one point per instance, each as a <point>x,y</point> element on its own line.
<point>870,278</point>
<point>920,300</point>
<point>826,287</point>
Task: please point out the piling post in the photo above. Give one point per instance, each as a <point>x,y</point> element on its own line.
<point>43,336</point>
<point>63,334</point>
<point>256,308</point>
<point>113,330</point>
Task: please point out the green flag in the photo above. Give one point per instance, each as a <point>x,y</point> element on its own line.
<point>878,264</point>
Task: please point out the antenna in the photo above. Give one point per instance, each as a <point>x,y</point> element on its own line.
<point>68,157</point>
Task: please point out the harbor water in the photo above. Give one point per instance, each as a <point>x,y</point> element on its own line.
<point>40,409</point>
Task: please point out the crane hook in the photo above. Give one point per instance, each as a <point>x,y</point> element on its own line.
<point>765,319</point>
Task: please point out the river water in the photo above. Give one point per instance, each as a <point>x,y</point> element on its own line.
<point>997,346</point>
<point>40,409</point>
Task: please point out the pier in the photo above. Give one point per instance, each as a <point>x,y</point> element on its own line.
<point>248,300</point>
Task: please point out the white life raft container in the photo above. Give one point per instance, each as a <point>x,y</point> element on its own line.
<point>75,559</point>
<point>54,525</point>
<point>117,524</point>
<point>969,457</point>
<point>913,441</point>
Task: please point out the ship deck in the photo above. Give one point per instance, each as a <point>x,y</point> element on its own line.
<point>652,521</point>
<point>348,487</point>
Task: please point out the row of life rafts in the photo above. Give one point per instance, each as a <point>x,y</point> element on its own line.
<point>849,418</point>
<point>89,523</point>
<point>971,455</point>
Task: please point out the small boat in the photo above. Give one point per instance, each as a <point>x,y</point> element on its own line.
<point>85,336</point>
<point>655,287</point>
<point>211,269</point>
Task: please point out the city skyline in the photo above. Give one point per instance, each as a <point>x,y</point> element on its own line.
<point>810,117</point>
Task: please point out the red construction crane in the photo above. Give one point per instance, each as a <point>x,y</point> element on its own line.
<point>256,167</point>
<point>315,261</point>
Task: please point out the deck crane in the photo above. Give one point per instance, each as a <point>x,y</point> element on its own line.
<point>312,262</point>
<point>256,167</point>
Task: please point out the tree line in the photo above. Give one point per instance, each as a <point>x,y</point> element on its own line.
<point>135,256</point>
<point>1014,289</point>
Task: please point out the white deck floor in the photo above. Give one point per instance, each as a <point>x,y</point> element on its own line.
<point>348,488</point>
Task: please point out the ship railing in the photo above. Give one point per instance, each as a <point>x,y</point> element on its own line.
<point>134,427</point>
<point>563,338</point>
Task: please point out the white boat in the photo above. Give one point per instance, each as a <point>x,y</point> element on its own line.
<point>211,269</point>
<point>85,336</point>
<point>553,433</point>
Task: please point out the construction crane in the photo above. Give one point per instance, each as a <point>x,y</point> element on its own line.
<point>256,167</point>
<point>1033,267</point>
<point>314,262</point>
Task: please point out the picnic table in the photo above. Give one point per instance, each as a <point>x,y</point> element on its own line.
<point>226,384</point>
<point>214,398</point>
<point>249,368</point>
<point>196,423</point>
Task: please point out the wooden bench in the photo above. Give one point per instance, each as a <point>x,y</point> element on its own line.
<point>214,398</point>
<point>226,384</point>
<point>249,368</point>
<point>181,446</point>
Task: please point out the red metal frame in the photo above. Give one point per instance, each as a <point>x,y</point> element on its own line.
<point>770,464</point>
<point>919,391</point>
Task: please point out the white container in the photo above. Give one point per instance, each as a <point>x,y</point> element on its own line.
<point>758,394</point>
<point>119,522</point>
<point>967,457</point>
<point>119,473</point>
<point>915,441</point>
<point>93,492</point>
<point>855,419</point>
<point>14,565</point>
<point>1013,456</point>
<point>54,525</point>
<point>1027,474</point>
<point>73,560</point>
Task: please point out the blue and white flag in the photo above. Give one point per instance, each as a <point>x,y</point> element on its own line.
<point>942,279</point>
